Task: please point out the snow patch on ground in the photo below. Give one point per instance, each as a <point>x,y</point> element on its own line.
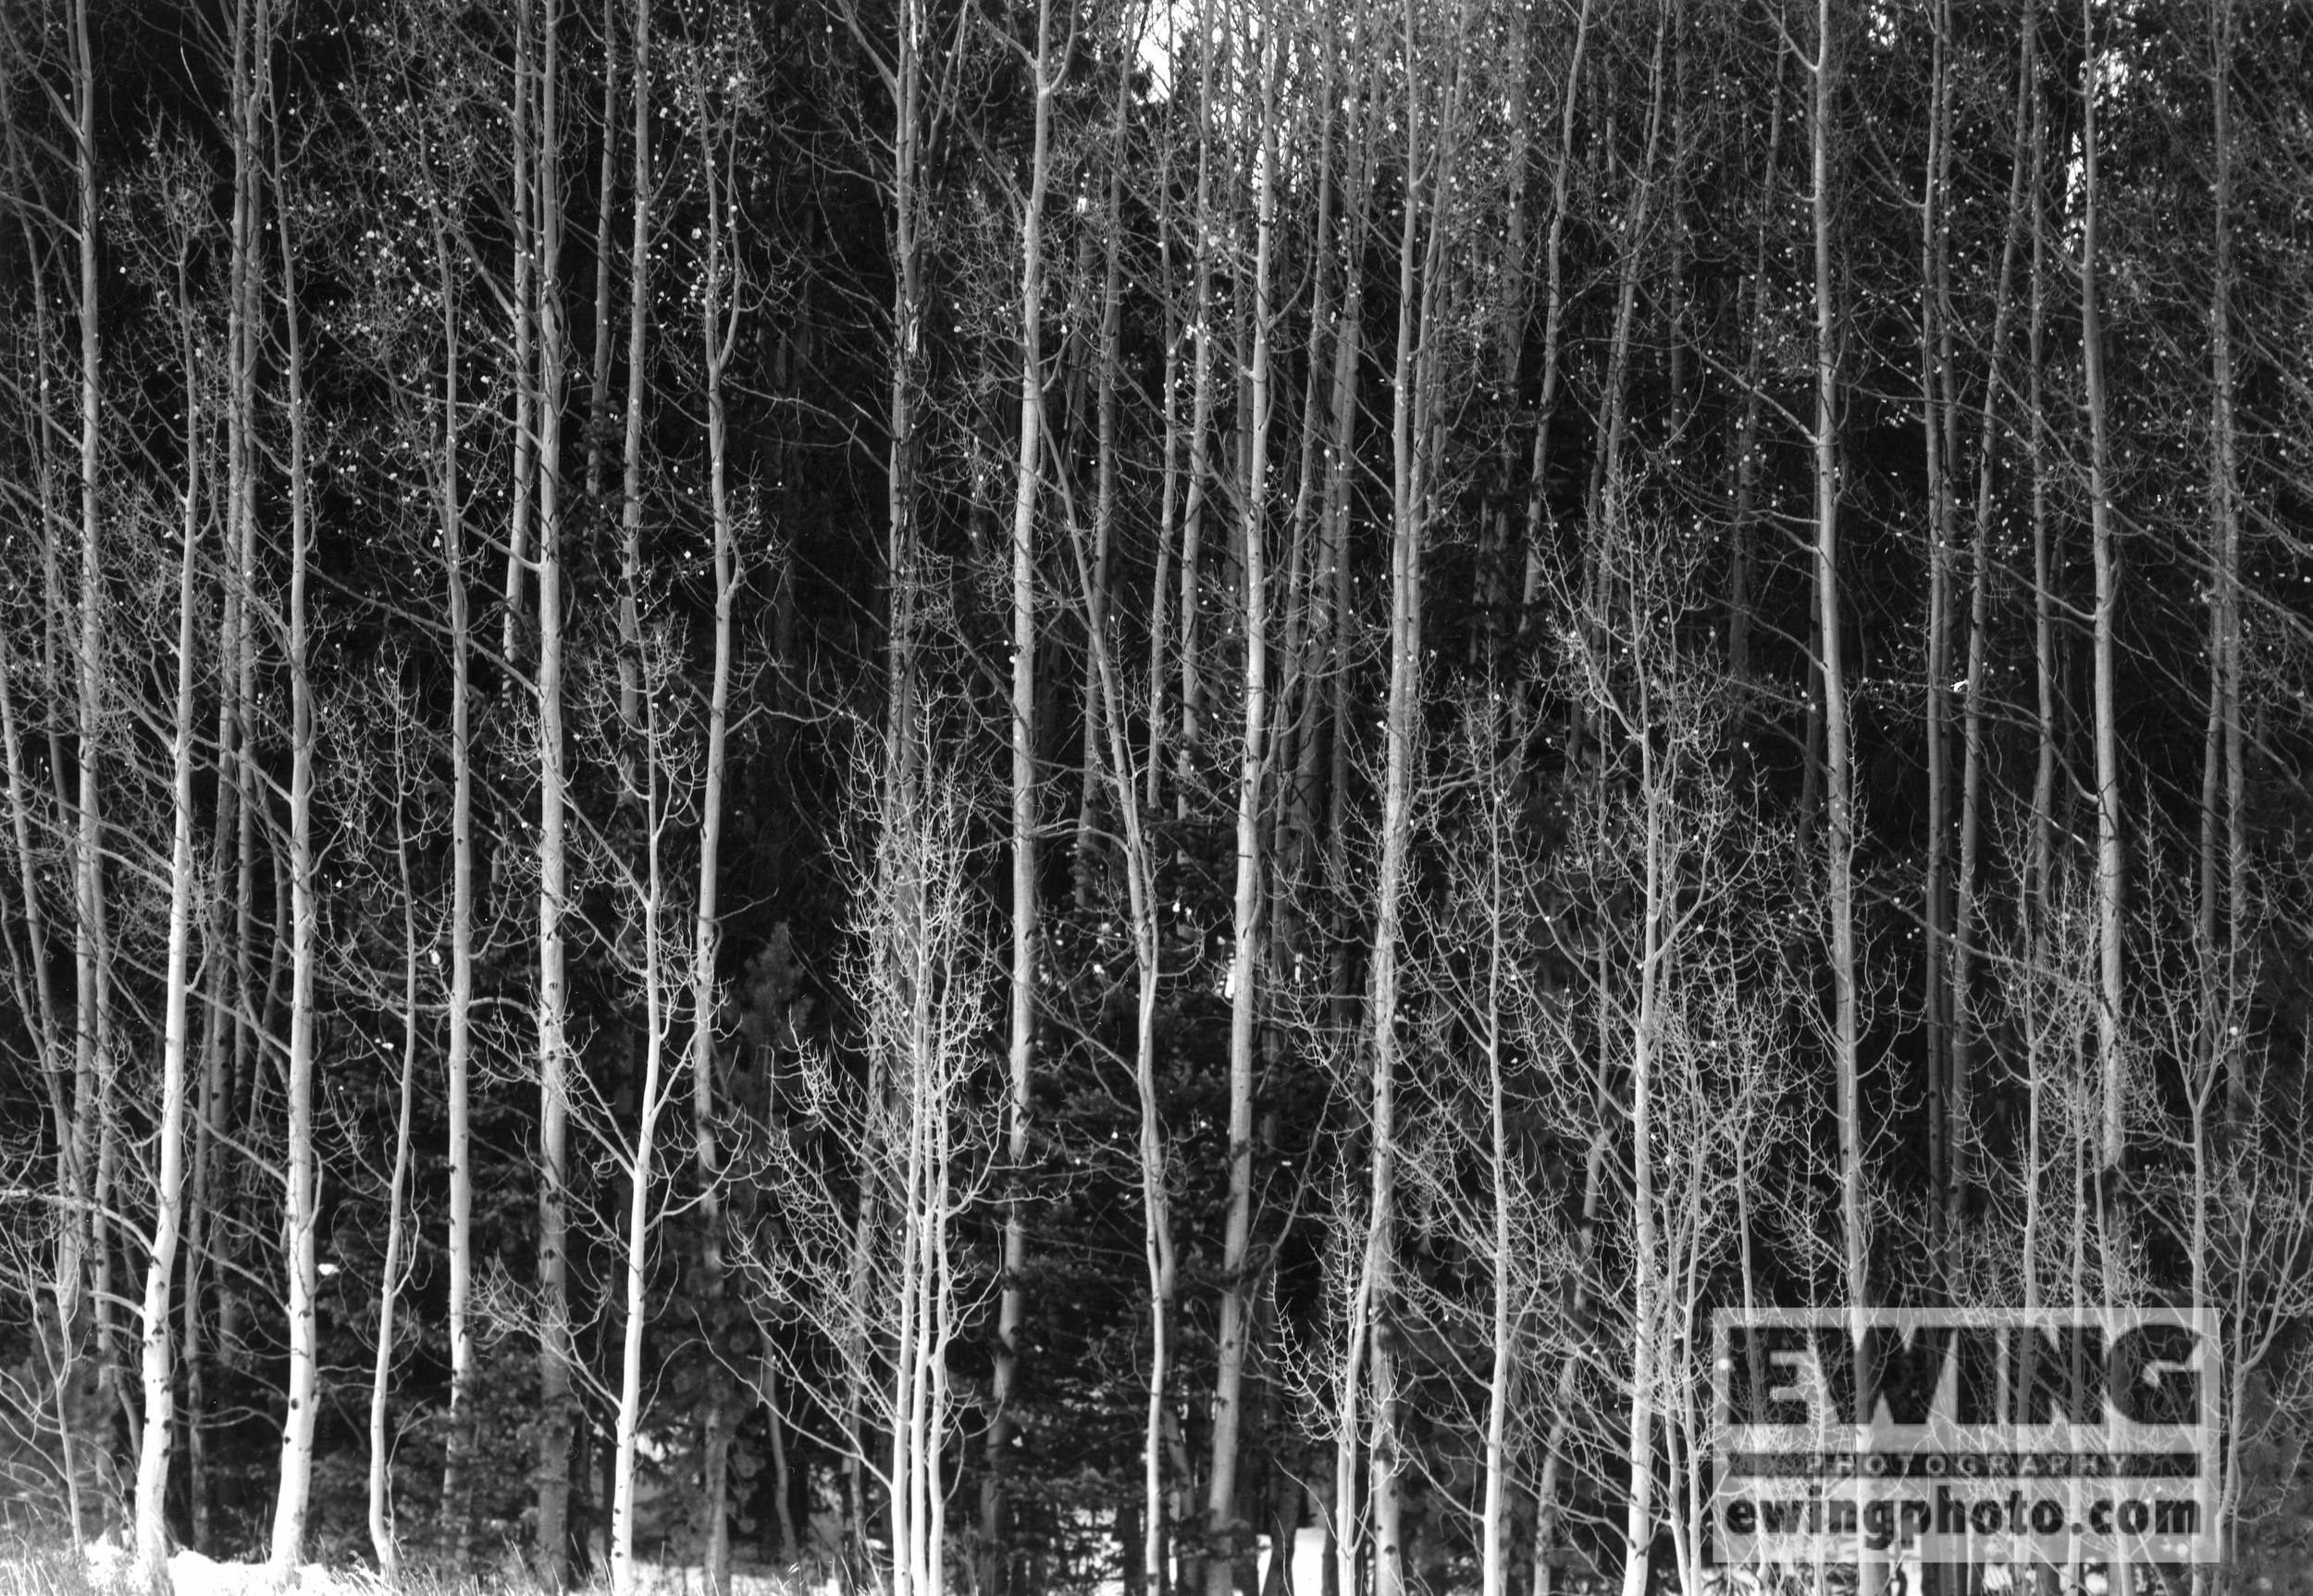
<point>111,1567</point>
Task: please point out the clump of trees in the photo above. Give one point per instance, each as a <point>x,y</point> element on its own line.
<point>1019,794</point>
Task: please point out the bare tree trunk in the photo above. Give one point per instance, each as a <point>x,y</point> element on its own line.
<point>1960,1140</point>
<point>1420,288</point>
<point>292,1502</point>
<point>657,988</point>
<point>2039,889</point>
<point>1108,723</point>
<point>458,1066</point>
<point>1742,534</point>
<point>383,1541</point>
<point>556,1354</point>
<point>1201,317</point>
<point>721,303</point>
<point>1553,323</point>
<point>1021,1061</point>
<point>1937,718</point>
<point>2224,848</point>
<point>638,381</point>
<point>1237,1294</point>
<point>58,1057</point>
<point>1837,776</point>
<point>523,214</point>
<point>2108,859</point>
<point>160,1395</point>
<point>93,1114</point>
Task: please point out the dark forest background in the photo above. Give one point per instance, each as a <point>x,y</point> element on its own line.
<point>994,792</point>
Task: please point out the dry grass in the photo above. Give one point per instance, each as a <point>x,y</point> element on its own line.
<point>36,1568</point>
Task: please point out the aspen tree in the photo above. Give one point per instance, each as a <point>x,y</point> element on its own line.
<point>522,215</point>
<point>450,510</point>
<point>384,1542</point>
<point>637,372</point>
<point>1020,1051</point>
<point>94,1118</point>
<point>1201,326</point>
<point>292,1498</point>
<point>2110,898</point>
<point>652,932</point>
<point>2223,830</point>
<point>160,1395</point>
<point>1609,490</point>
<point>1960,1140</point>
<point>898,63</point>
<point>2039,889</point>
<point>60,1051</point>
<point>1244,975</point>
<point>1553,323</point>
<point>605,199</point>
<point>1742,534</point>
<point>722,305</point>
<point>557,1353</point>
<point>1108,723</point>
<point>1935,952</point>
<point>1421,289</point>
<point>1837,776</point>
<point>251,86</point>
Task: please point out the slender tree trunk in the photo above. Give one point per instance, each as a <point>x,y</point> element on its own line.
<point>1109,724</point>
<point>719,323</point>
<point>1237,1287</point>
<point>383,1540</point>
<point>59,1056</point>
<point>458,1064</point>
<point>1502,1267</point>
<point>1838,778</point>
<point>1027,466</point>
<point>1742,533</point>
<point>523,214</point>
<point>1201,326</point>
<point>2224,843</point>
<point>1421,286</point>
<point>556,1354</point>
<point>2112,1146</point>
<point>1937,718</point>
<point>1553,326</point>
<point>292,1502</point>
<point>1960,1139</point>
<point>93,1114</point>
<point>2039,888</point>
<point>638,382</point>
<point>656,992</point>
<point>160,1394</point>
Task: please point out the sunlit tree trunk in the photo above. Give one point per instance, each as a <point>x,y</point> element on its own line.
<point>721,303</point>
<point>160,1394</point>
<point>450,509</point>
<point>556,1354</point>
<point>653,937</point>
<point>92,955</point>
<point>384,1542</point>
<point>292,1501</point>
<point>1245,977</point>
<point>1020,1060</point>
<point>637,376</point>
<point>1839,839</point>
<point>2112,1073</point>
<point>1966,920</point>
